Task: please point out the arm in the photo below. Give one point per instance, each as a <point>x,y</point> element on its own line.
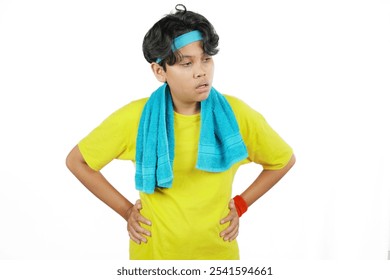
<point>263,183</point>
<point>96,183</point>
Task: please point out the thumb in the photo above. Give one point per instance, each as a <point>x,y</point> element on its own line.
<point>232,205</point>
<point>138,205</point>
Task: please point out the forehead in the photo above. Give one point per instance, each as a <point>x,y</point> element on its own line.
<point>192,50</point>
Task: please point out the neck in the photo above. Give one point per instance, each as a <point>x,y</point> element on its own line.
<point>187,109</point>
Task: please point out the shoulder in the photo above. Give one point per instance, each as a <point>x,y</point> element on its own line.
<point>125,116</point>
<point>132,110</point>
<point>140,103</point>
<point>233,101</point>
<point>133,107</point>
<point>240,108</point>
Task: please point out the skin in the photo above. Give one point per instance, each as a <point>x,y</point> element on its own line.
<point>190,81</point>
<point>186,77</point>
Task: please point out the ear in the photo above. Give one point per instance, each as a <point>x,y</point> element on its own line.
<point>159,72</point>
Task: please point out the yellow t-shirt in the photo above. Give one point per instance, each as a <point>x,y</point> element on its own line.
<point>186,218</point>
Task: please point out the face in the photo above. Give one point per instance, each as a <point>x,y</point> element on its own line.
<point>190,79</point>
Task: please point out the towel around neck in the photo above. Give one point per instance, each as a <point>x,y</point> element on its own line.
<point>220,142</point>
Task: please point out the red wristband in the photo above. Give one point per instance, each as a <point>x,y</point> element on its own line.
<point>240,204</point>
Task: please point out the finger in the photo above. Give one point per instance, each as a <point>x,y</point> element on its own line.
<point>134,223</point>
<point>132,237</point>
<point>139,229</point>
<point>232,214</point>
<point>232,205</point>
<point>227,219</point>
<point>138,232</point>
<point>229,233</point>
<point>234,222</point>
<point>135,230</point>
<point>143,220</point>
<point>139,217</point>
<point>226,232</point>
<point>138,205</point>
<point>233,235</point>
<point>137,238</point>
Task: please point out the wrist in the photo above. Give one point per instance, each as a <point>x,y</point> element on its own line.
<point>240,204</point>
<point>128,213</point>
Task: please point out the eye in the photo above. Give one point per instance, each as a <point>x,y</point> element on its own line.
<point>186,64</point>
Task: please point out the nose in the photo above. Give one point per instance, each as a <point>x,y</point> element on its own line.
<point>199,71</point>
<point>200,75</point>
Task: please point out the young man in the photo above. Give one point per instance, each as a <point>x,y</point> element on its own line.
<point>187,141</point>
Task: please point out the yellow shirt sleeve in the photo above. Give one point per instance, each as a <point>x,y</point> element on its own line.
<point>114,138</point>
<point>264,145</point>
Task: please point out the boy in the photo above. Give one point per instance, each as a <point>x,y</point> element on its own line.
<point>187,141</point>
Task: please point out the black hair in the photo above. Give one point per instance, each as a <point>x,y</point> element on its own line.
<point>158,40</point>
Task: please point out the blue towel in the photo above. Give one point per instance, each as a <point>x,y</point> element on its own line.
<point>220,142</point>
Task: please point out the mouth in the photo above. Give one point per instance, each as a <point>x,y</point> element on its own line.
<point>202,86</point>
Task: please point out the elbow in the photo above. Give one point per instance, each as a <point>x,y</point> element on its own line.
<point>69,161</point>
<point>73,159</point>
<point>292,161</point>
<point>289,164</point>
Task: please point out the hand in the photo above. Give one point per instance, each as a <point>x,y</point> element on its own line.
<point>231,232</point>
<point>134,218</point>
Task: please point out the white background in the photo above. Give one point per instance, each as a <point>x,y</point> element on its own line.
<point>317,70</point>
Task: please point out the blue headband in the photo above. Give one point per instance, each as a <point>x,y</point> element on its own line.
<point>184,40</point>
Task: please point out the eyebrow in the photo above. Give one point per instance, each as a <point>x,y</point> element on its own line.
<point>182,56</point>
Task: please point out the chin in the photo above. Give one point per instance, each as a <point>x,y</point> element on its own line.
<point>203,96</point>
